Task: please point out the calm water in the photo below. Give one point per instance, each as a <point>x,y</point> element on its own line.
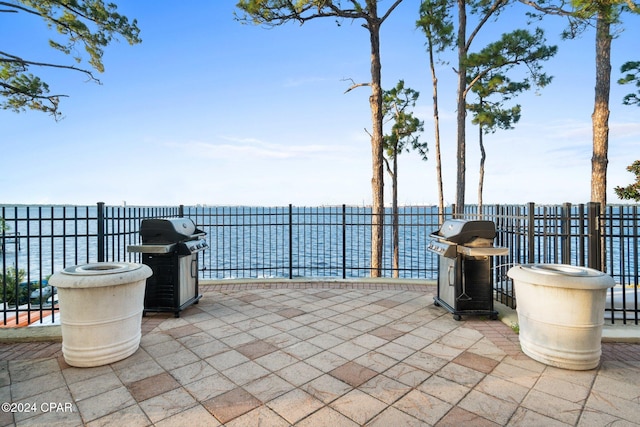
<point>276,242</point>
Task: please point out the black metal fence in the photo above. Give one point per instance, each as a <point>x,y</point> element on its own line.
<point>581,235</point>
<point>36,241</point>
<point>291,242</point>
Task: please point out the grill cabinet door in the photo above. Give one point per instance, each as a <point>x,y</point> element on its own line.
<point>161,292</point>
<point>448,276</point>
<point>474,290</point>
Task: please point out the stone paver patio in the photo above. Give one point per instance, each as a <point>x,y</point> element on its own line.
<point>319,354</point>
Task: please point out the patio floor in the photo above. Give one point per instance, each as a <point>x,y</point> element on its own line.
<point>319,354</point>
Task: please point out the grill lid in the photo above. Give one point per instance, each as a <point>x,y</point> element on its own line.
<point>461,231</point>
<point>171,230</point>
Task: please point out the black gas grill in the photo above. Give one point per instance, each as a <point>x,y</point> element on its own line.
<point>170,248</point>
<point>465,282</point>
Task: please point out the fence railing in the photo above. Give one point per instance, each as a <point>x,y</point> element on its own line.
<point>580,235</point>
<point>39,240</point>
<point>290,242</point>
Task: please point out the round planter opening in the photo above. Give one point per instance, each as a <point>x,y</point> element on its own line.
<point>560,269</point>
<point>101,307</point>
<point>560,313</point>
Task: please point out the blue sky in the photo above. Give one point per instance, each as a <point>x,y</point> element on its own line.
<point>209,111</point>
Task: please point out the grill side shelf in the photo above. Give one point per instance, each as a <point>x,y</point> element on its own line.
<point>151,249</point>
<point>491,251</point>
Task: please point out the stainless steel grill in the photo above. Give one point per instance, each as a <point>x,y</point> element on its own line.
<point>170,247</point>
<point>465,282</point>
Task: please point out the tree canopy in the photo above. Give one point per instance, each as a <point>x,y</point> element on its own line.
<point>632,76</point>
<point>631,191</point>
<point>396,107</point>
<point>85,28</point>
<point>486,76</point>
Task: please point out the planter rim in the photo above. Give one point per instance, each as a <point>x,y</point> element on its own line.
<point>561,276</point>
<point>100,274</point>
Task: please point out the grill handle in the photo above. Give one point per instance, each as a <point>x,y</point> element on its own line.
<point>450,276</point>
<point>194,268</point>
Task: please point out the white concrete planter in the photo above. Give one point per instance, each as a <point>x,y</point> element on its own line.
<point>560,313</point>
<point>101,308</point>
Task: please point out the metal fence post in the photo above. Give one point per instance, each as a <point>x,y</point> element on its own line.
<point>580,232</point>
<point>594,235</point>
<point>531,229</point>
<point>181,211</point>
<point>101,229</point>
<point>565,233</point>
<point>290,241</point>
<point>344,241</point>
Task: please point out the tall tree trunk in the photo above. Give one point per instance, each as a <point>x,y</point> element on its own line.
<point>394,208</point>
<point>377,181</point>
<point>483,156</point>
<point>600,116</point>
<point>462,106</point>
<point>436,122</point>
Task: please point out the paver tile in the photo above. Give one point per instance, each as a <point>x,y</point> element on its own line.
<point>152,386</point>
<point>299,373</point>
<point>327,417</point>
<point>526,418</point>
<point>276,360</point>
<point>193,372</point>
<point>290,312</point>
<point>295,405</point>
<point>502,389</point>
<point>562,389</point>
<point>167,404</point>
<point>245,373</point>
<point>226,360</point>
<point>385,389</point>
<point>353,373</point>
<point>104,404</point>
<point>326,361</point>
<point>22,390</point>
<point>377,361</point>
<point>396,351</point>
<point>557,408</point>
<point>459,417</point>
<point>407,374</point>
<point>444,389</point>
<point>387,333</point>
<point>394,417</point>
<point>230,405</point>
<point>476,362</point>
<point>209,387</point>
<point>623,409</point>
<point>331,357</point>
<point>131,416</point>
<point>261,416</point>
<point>268,387</point>
<point>461,374</point>
<point>423,406</point>
<point>488,407</point>
<point>326,388</point>
<point>255,349</point>
<point>349,350</point>
<point>358,406</point>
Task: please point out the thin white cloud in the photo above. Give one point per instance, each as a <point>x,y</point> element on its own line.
<point>573,129</point>
<point>303,81</point>
<point>624,130</point>
<point>242,147</point>
<point>569,129</point>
